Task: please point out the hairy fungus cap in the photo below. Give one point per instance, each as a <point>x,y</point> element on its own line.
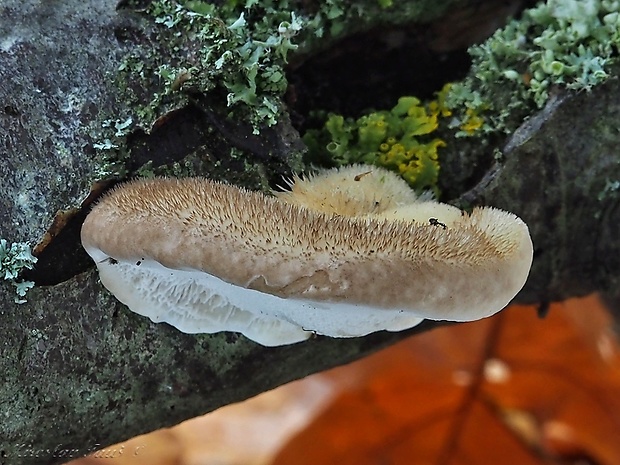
<point>208,257</point>
<point>354,190</point>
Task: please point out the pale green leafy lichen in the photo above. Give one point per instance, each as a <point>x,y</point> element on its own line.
<point>13,259</point>
<point>218,47</point>
<point>566,43</point>
<point>116,131</point>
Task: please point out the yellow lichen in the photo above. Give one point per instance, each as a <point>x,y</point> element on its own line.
<point>472,122</point>
<point>397,139</point>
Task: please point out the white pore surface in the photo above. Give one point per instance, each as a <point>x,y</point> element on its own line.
<point>196,302</point>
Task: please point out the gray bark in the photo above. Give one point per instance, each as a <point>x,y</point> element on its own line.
<point>82,372</point>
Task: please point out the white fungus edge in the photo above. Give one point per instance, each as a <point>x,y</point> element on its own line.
<point>196,302</point>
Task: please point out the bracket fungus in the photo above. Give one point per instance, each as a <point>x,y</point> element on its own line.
<point>343,254</point>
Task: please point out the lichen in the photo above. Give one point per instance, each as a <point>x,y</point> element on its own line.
<point>564,43</point>
<point>226,47</point>
<point>232,54</point>
<point>243,46</point>
<point>610,190</point>
<point>399,139</point>
<point>13,259</point>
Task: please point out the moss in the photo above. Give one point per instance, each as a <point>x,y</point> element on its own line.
<point>565,43</point>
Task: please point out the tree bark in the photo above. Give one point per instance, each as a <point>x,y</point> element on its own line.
<point>82,372</point>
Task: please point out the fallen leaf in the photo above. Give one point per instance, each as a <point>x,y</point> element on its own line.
<point>512,389</point>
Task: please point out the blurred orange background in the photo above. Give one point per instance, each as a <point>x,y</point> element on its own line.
<point>511,389</point>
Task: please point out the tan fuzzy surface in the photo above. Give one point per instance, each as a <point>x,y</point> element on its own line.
<point>355,190</point>
<point>260,242</point>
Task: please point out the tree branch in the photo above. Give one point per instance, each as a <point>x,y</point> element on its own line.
<point>82,372</point>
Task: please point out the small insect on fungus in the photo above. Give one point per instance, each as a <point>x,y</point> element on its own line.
<point>436,222</point>
<point>361,175</point>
